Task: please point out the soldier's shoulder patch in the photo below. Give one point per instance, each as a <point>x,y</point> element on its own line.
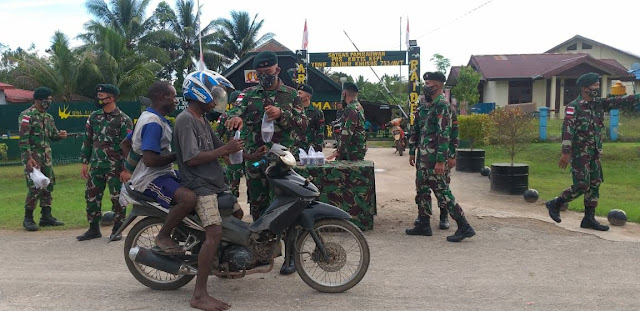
<point>239,99</point>
<point>570,111</point>
<point>25,119</point>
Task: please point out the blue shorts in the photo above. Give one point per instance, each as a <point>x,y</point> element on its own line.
<point>162,189</point>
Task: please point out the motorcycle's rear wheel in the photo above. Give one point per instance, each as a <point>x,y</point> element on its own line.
<point>348,256</point>
<point>143,235</point>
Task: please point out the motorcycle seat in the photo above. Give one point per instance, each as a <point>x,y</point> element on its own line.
<point>139,196</point>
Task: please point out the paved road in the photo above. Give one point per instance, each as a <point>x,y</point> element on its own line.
<point>518,261</point>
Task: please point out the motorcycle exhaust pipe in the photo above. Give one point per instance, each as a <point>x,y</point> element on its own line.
<point>146,257</point>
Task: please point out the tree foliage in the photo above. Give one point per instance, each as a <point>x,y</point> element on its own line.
<point>512,129</point>
<point>466,91</point>
<point>442,63</point>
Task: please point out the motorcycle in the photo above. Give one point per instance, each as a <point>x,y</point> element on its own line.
<point>330,253</point>
<point>399,141</point>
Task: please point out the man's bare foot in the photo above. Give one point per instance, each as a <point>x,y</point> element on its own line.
<point>208,303</point>
<point>166,244</point>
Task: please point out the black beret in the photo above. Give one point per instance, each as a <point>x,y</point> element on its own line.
<point>108,88</point>
<point>234,96</point>
<point>350,86</point>
<point>435,76</point>
<point>265,59</point>
<point>587,79</point>
<point>306,87</point>
<point>42,93</point>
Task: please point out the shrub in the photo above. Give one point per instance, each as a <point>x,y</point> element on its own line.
<point>474,128</point>
<point>512,130</point>
<point>3,152</point>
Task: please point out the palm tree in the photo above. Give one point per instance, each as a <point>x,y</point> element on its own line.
<point>126,17</point>
<point>239,35</point>
<point>62,71</point>
<point>178,34</point>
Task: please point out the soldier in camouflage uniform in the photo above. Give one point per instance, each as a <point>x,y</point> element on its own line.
<point>105,129</point>
<point>281,104</point>
<point>37,131</point>
<point>313,135</point>
<point>582,146</point>
<point>433,139</point>
<point>352,145</point>
<point>233,172</point>
<point>451,163</point>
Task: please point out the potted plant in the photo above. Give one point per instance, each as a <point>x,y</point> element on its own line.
<point>513,131</point>
<point>474,130</point>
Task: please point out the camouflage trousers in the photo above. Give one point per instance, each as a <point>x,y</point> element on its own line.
<point>258,192</point>
<point>234,173</point>
<point>441,204</point>
<point>587,177</point>
<point>44,195</point>
<point>99,179</point>
<point>426,181</point>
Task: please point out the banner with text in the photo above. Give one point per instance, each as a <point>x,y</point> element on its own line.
<point>414,79</point>
<point>355,59</point>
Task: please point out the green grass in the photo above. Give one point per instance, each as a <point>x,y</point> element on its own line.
<point>628,128</point>
<point>620,164</point>
<point>68,197</point>
<point>621,189</point>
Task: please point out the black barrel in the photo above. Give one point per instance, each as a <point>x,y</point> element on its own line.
<point>510,179</point>
<point>468,160</point>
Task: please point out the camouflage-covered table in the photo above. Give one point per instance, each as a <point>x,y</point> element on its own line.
<point>350,185</point>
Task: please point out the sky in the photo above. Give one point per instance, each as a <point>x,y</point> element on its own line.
<point>456,29</point>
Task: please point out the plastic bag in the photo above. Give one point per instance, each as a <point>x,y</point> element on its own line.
<point>304,158</point>
<point>267,128</point>
<point>124,198</point>
<point>236,157</point>
<point>39,180</point>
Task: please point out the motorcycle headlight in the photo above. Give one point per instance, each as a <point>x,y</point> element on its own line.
<point>288,159</point>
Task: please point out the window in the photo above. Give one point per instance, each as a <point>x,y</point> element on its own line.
<point>572,47</point>
<point>586,46</point>
<point>520,92</point>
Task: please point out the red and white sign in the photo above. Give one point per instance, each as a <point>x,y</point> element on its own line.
<point>305,37</point>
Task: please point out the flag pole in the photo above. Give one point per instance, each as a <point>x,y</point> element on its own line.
<point>201,62</point>
<point>400,46</point>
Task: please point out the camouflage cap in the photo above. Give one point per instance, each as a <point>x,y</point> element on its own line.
<point>350,86</point>
<point>265,59</point>
<point>306,88</point>
<point>108,88</point>
<point>587,79</point>
<point>435,76</point>
<point>42,93</point>
<point>234,96</point>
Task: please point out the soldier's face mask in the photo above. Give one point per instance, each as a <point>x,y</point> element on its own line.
<point>594,92</point>
<point>267,80</point>
<point>100,102</point>
<point>45,104</point>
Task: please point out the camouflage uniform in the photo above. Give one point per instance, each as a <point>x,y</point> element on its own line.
<point>37,131</point>
<point>313,135</point>
<point>432,139</point>
<point>233,172</point>
<point>582,139</point>
<point>353,139</point>
<point>101,150</point>
<point>251,109</point>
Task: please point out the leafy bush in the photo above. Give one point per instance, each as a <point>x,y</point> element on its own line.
<point>512,130</point>
<point>3,152</point>
<point>474,128</point>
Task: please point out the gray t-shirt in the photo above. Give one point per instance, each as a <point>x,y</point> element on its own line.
<point>191,137</point>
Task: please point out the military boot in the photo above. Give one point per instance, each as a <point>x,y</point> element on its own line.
<point>288,266</point>
<point>113,236</point>
<point>554,208</point>
<point>464,231</point>
<point>92,233</point>
<point>589,221</point>
<point>47,219</point>
<point>422,226</point>
<point>444,219</point>
<point>28,222</point>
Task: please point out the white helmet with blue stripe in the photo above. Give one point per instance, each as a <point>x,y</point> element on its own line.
<point>207,86</point>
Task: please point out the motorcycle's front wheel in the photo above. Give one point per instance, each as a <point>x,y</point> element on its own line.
<point>399,147</point>
<point>143,234</point>
<point>348,254</point>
